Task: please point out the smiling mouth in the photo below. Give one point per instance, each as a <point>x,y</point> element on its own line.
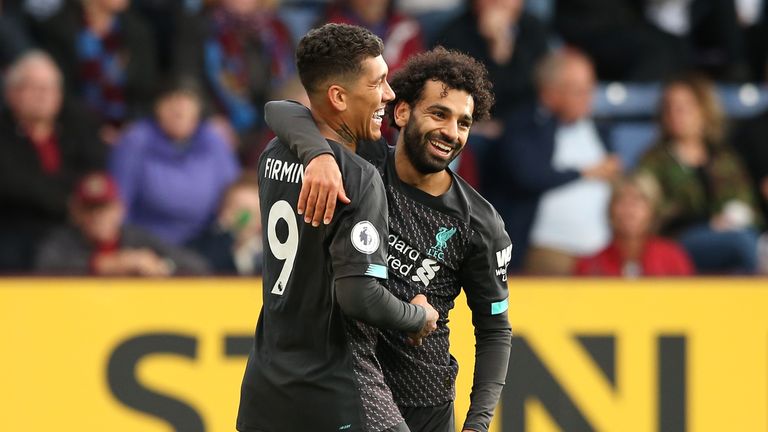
<point>442,148</point>
<point>378,115</point>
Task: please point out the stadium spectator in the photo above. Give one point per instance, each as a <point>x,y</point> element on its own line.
<point>648,40</point>
<point>233,244</point>
<point>635,250</point>
<point>707,198</point>
<point>752,142</point>
<point>107,56</point>
<point>507,40</point>
<point>44,148</point>
<point>243,53</point>
<point>548,174</point>
<point>432,15</point>
<point>173,168</point>
<point>13,38</point>
<point>616,35</point>
<point>98,243</point>
<point>162,18</point>
<point>401,34</point>
<point>706,33</point>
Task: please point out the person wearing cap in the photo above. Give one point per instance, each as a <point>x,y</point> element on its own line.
<point>98,242</point>
<point>174,167</point>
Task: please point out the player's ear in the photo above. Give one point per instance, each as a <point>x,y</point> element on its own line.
<point>402,113</point>
<point>337,96</point>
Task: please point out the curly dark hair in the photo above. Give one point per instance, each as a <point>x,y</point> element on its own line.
<point>456,70</point>
<point>334,52</point>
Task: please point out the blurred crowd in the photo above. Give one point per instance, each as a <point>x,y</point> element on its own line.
<point>130,129</point>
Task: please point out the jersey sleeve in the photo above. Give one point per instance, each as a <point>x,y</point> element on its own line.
<point>292,123</point>
<point>485,282</point>
<point>484,274</point>
<point>360,242</point>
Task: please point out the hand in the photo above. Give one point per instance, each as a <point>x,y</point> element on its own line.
<point>718,222</point>
<point>321,188</point>
<point>496,27</point>
<point>607,169</point>
<point>109,134</point>
<point>494,23</point>
<point>222,124</point>
<point>144,262</point>
<point>131,262</point>
<point>430,325</point>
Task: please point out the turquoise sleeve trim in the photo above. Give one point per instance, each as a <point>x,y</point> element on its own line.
<point>500,306</point>
<point>377,271</point>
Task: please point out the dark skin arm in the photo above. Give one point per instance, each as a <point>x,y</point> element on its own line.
<point>322,185</point>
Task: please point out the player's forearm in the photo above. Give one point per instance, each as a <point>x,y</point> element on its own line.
<point>294,126</point>
<point>365,299</point>
<point>492,349</point>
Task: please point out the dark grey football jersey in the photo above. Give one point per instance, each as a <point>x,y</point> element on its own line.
<point>311,369</point>
<point>437,246</point>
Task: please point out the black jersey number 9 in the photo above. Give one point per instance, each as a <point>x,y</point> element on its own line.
<point>283,250</point>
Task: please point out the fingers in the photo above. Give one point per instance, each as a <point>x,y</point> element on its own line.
<point>342,195</point>
<point>414,341</point>
<point>419,299</point>
<point>309,210</point>
<point>303,195</point>
<point>319,207</point>
<point>432,326</point>
<point>321,187</point>
<point>330,208</point>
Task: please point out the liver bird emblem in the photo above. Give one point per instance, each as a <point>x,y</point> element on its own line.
<point>443,235</point>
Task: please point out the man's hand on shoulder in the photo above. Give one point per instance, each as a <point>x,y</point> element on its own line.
<point>321,188</point>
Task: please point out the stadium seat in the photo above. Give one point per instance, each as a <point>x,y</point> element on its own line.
<point>630,140</point>
<point>626,100</point>
<point>743,100</point>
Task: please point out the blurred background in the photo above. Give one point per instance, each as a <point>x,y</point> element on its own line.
<point>629,139</point>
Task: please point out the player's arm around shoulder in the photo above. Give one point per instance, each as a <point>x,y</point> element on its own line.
<point>322,185</point>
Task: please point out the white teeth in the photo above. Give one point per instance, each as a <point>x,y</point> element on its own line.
<point>378,114</point>
<point>442,147</point>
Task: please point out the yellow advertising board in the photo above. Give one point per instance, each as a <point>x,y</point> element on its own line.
<point>604,355</point>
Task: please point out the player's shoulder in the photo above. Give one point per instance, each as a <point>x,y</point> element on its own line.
<point>482,214</point>
<point>358,173</point>
<point>277,149</point>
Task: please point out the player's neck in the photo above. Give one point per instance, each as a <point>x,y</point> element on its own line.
<point>631,247</point>
<point>434,184</point>
<point>334,130</point>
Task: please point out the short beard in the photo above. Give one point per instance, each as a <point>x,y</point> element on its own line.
<point>416,150</point>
